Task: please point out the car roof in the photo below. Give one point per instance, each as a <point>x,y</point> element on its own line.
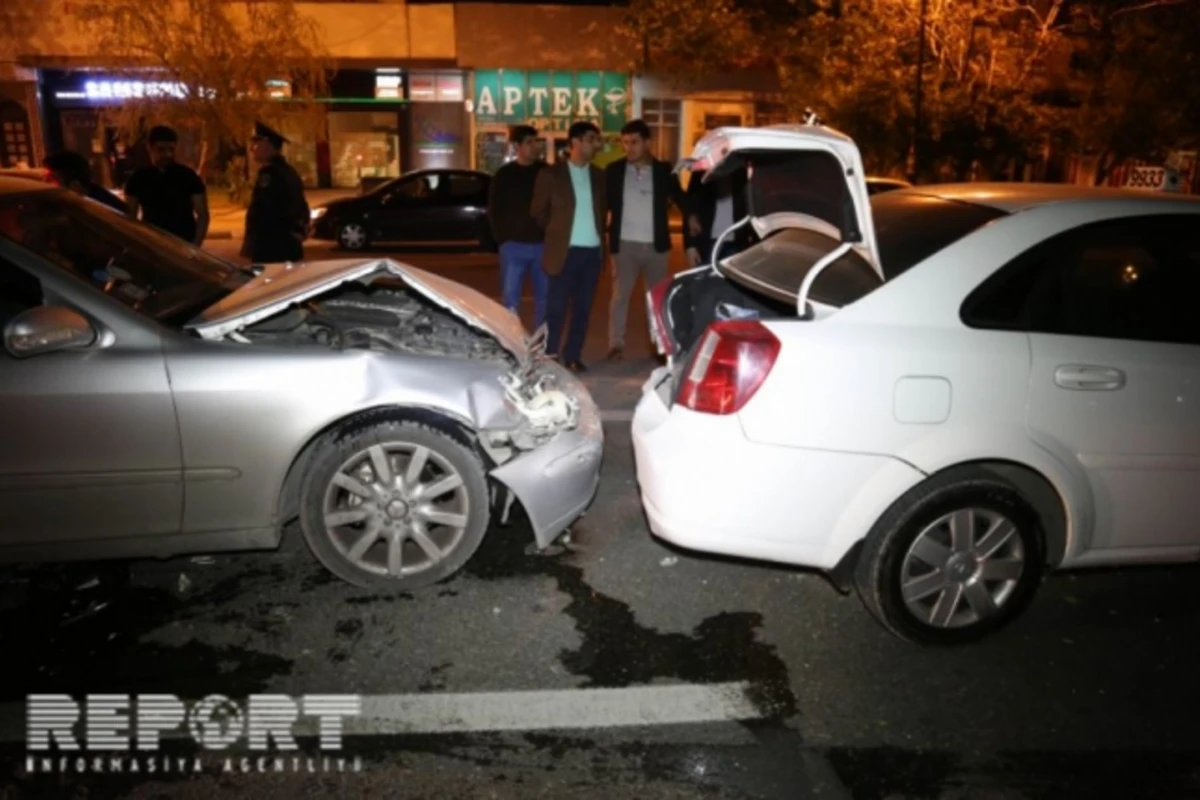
<point>1015,197</point>
<point>10,184</point>
<point>430,170</point>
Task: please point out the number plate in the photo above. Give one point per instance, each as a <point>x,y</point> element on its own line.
<point>1146,178</point>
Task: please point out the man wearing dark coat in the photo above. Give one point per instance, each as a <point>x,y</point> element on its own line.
<point>277,220</point>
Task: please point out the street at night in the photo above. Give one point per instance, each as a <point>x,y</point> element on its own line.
<point>599,399</point>
<point>795,690</point>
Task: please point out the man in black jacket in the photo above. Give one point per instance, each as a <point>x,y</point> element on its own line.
<point>716,205</point>
<point>639,235</point>
<point>277,219</point>
<point>514,229</point>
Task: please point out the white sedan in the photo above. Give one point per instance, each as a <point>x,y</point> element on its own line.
<point>935,396</point>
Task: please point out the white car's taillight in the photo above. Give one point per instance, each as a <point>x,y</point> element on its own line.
<point>656,305</point>
<point>730,364</point>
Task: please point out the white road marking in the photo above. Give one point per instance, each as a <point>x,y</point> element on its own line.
<point>567,709</point>
<point>556,710</point>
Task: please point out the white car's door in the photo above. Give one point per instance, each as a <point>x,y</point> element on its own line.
<point>1115,380</point>
<point>1128,412</point>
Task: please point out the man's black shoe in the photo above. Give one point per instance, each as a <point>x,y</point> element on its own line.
<point>576,366</point>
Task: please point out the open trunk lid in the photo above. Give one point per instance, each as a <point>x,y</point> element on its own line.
<point>281,286</point>
<point>807,200</point>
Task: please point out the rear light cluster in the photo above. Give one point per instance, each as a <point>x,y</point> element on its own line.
<point>656,313</point>
<point>730,364</point>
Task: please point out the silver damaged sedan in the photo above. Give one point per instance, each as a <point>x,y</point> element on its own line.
<point>156,400</point>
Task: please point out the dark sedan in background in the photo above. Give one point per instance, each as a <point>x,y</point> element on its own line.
<point>427,207</point>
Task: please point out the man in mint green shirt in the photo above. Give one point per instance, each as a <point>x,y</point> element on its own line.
<point>569,203</point>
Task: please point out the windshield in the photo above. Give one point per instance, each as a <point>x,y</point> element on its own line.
<point>152,272</point>
<point>909,228</point>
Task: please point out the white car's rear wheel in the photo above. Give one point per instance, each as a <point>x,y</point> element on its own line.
<point>397,505</point>
<point>954,560</point>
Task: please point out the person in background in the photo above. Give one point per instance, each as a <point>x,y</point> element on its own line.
<point>167,194</point>
<point>639,187</point>
<point>513,227</point>
<point>277,220</point>
<point>569,204</point>
<point>716,206</point>
<point>72,171</point>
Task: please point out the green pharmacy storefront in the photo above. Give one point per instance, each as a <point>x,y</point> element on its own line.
<point>550,101</point>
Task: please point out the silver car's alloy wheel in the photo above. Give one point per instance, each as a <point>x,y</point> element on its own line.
<point>962,568</point>
<point>396,509</point>
<point>352,236</point>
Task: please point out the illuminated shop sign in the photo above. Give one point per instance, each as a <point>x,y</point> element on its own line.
<point>125,90</point>
<point>551,99</point>
<point>389,87</point>
<point>279,89</point>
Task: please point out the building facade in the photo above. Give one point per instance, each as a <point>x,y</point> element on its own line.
<point>417,85</point>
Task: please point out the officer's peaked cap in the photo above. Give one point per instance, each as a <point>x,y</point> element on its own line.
<point>262,131</point>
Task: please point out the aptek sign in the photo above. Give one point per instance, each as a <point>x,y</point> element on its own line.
<point>551,99</point>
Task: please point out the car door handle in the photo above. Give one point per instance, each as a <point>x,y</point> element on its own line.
<point>1089,378</point>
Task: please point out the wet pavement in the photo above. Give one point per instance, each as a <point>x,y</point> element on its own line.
<point>1093,693</point>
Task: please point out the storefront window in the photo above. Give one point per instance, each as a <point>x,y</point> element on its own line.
<point>16,141</point>
<point>435,86</point>
<point>491,150</point>
<point>663,118</point>
<point>439,136</point>
<point>363,144</point>
<point>301,150</point>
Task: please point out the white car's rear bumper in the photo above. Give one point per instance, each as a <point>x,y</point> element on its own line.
<point>705,487</point>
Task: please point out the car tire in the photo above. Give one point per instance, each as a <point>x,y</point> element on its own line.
<point>352,236</point>
<point>981,583</point>
<point>346,477</point>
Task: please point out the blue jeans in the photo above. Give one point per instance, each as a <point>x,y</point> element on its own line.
<point>573,291</point>
<point>518,259</point>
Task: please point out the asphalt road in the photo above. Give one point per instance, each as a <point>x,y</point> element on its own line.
<point>619,667</point>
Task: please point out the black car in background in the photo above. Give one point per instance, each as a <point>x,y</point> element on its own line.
<point>426,207</point>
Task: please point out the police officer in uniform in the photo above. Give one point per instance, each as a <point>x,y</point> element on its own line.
<point>277,220</point>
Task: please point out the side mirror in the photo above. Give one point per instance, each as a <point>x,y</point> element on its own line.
<point>46,329</point>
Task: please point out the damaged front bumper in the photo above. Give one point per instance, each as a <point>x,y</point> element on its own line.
<point>556,481</point>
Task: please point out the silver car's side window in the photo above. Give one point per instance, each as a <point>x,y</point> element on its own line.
<point>132,262</point>
<point>19,291</point>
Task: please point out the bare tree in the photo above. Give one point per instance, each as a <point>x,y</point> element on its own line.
<point>1140,90</point>
<point>689,39</point>
<point>220,65</point>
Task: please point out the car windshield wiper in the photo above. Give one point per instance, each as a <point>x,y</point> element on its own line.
<point>252,271</point>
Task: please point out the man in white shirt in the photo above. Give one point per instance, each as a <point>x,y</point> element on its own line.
<point>639,187</point>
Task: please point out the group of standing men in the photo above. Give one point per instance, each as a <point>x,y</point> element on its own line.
<point>553,224</point>
<point>173,198</point>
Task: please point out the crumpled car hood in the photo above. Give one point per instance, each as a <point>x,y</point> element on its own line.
<point>283,285</point>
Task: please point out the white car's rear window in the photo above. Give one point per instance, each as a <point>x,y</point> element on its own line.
<point>778,266</point>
